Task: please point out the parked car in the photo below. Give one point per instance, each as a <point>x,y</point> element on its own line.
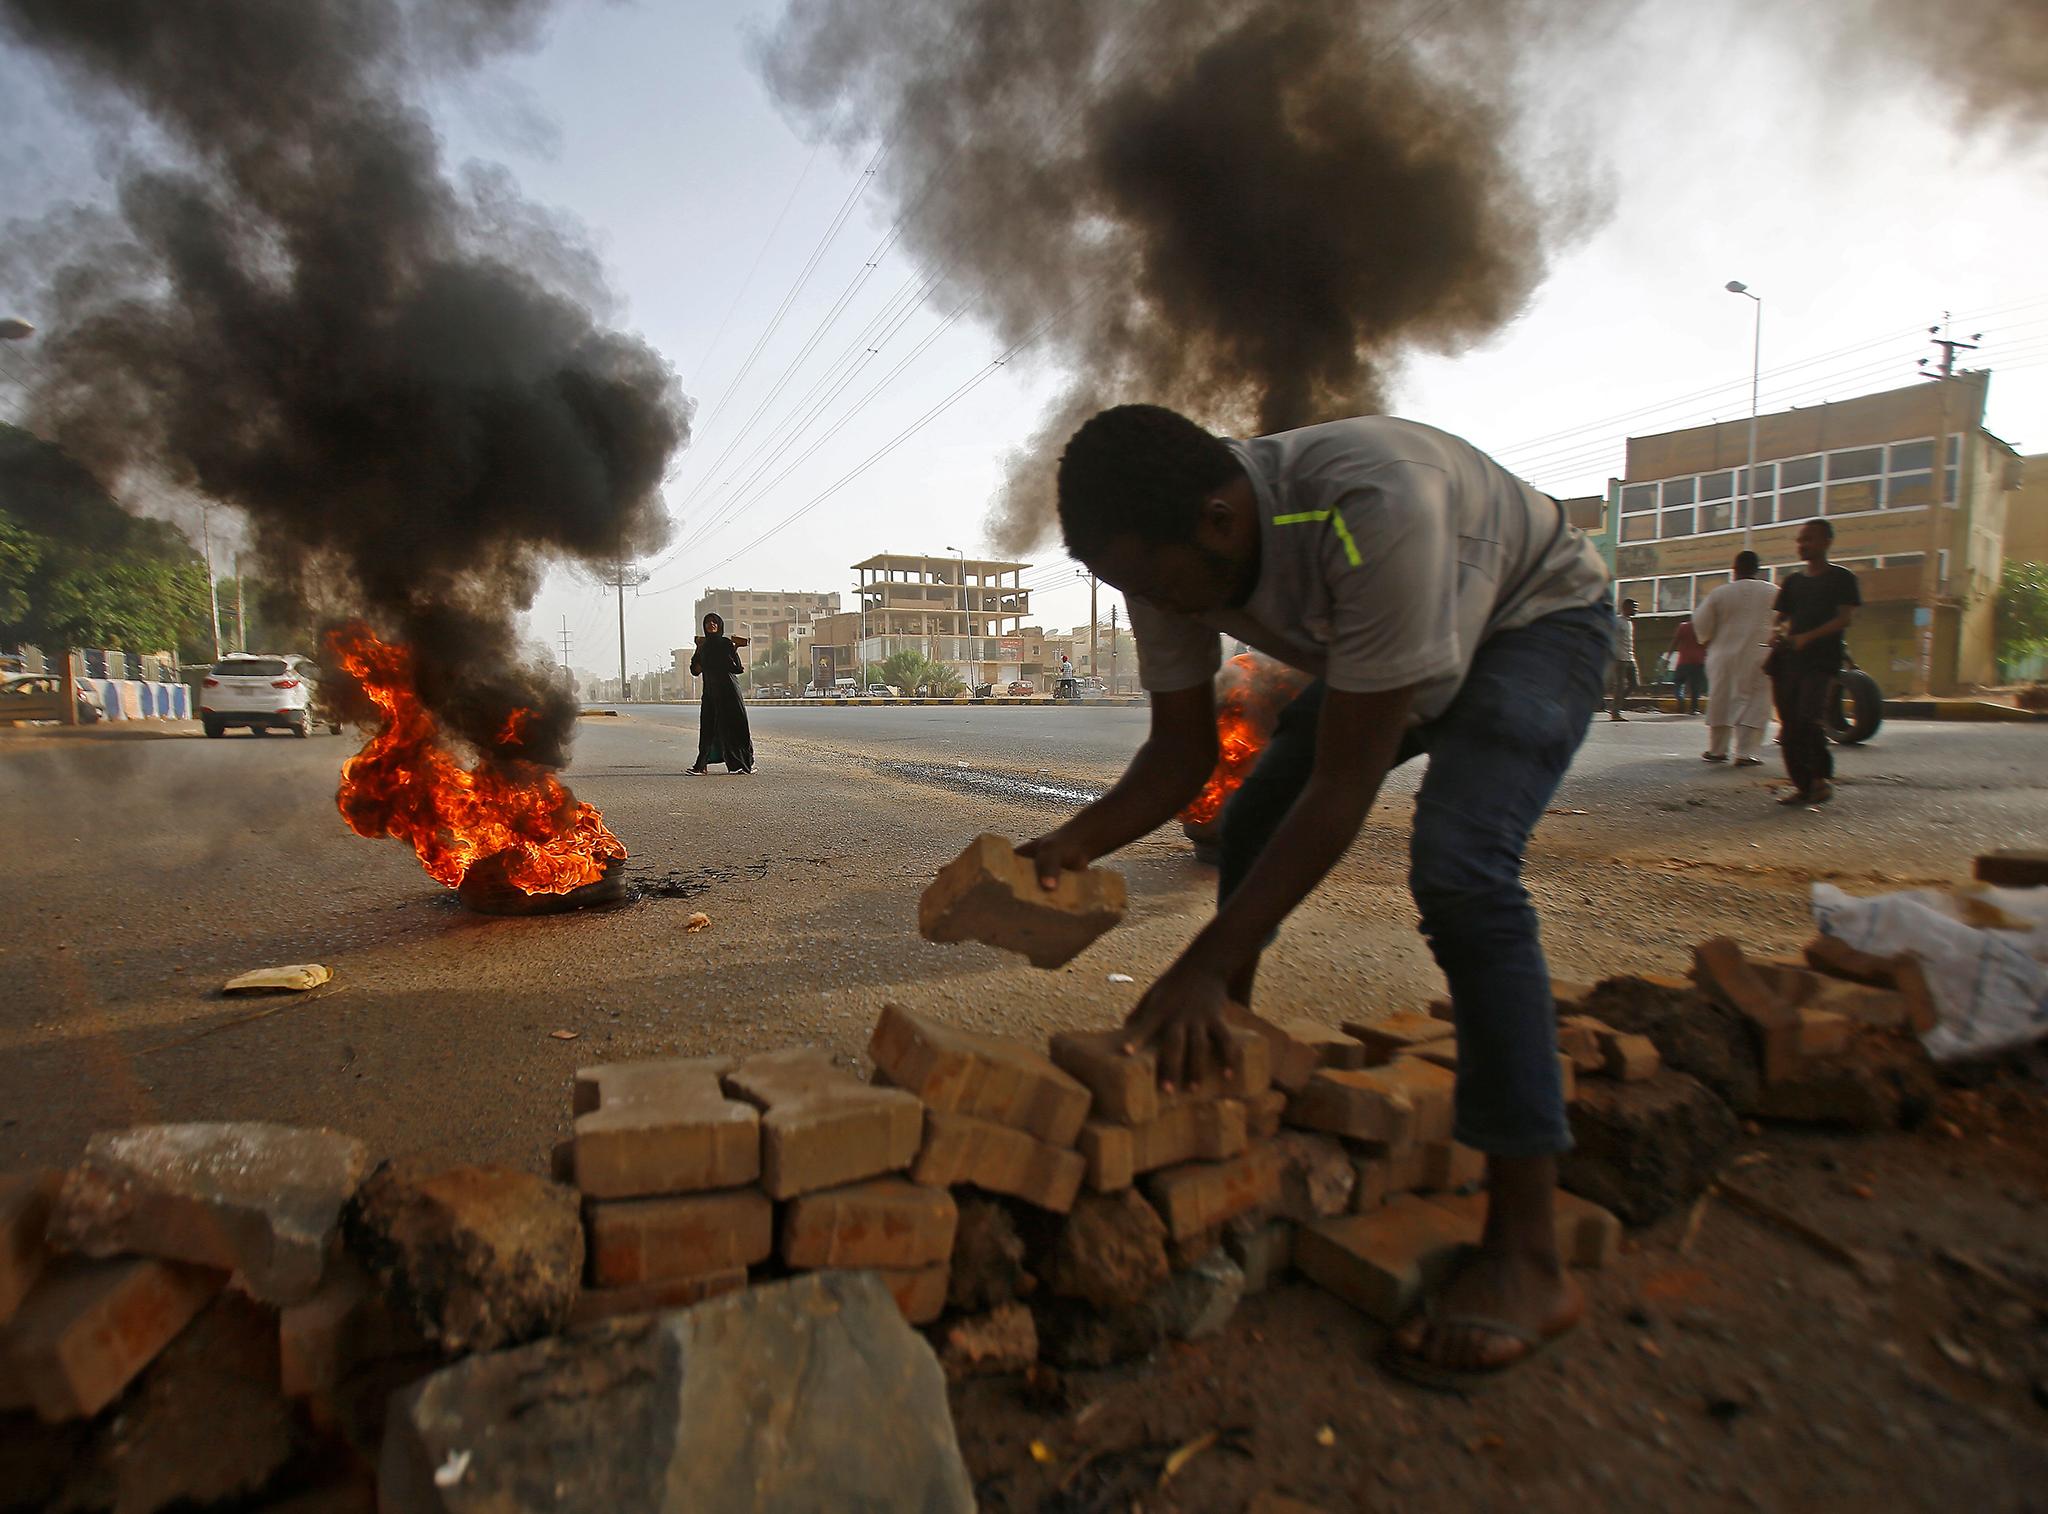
<point>1020,686</point>
<point>40,696</point>
<point>1090,688</point>
<point>256,692</point>
<point>879,691</point>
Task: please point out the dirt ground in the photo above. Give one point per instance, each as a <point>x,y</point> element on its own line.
<point>1725,1364</point>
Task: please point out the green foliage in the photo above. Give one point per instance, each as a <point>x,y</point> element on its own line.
<point>772,667</point>
<point>2021,614</point>
<point>912,672</point>
<point>21,554</point>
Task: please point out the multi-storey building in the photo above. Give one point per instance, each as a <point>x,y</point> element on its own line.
<point>1926,541</point>
<point>764,616</point>
<point>967,613</point>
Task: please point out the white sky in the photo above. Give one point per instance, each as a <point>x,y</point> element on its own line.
<point>1856,211</point>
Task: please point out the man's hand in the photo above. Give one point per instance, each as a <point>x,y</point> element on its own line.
<point>1181,1018</point>
<point>1056,852</point>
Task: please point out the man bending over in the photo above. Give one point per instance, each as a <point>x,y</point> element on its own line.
<point>1444,607</point>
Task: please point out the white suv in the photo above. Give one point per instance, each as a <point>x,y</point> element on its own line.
<point>257,692</point>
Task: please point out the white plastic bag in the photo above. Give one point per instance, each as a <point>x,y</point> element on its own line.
<point>1989,984</point>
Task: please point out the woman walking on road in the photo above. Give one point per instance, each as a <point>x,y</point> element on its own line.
<point>722,733</point>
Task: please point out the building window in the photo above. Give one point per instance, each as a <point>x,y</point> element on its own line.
<point>1717,517</point>
<point>1638,589</point>
<point>1912,457</point>
<point>1674,596</point>
<point>1678,522</point>
<point>1798,504</point>
<point>1704,584</point>
<point>1903,560</point>
<point>1797,472</point>
<point>1857,462</point>
<point>1861,494</point>
<point>1677,491</point>
<point>1637,498</point>
<point>1717,486</point>
<point>1639,528</point>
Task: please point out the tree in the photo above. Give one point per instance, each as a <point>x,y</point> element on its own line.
<point>21,553</point>
<point>771,667</point>
<point>941,682</point>
<point>2021,615</point>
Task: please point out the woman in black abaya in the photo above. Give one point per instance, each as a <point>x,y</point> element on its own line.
<point>722,734</point>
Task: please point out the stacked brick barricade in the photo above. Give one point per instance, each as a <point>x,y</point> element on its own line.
<point>749,1281</point>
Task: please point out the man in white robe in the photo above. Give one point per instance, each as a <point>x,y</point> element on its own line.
<point>1734,622</point>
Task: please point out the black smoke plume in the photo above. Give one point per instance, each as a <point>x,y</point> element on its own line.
<point>399,373</point>
<point>1245,209</point>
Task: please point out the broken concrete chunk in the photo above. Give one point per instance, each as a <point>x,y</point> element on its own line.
<point>345,1324</point>
<point>270,980</point>
<point>820,1126</point>
<point>988,1077</point>
<point>26,1200</point>
<point>88,1327</point>
<point>990,894</point>
<point>885,1223</point>
<point>662,1127</point>
<point>1110,1253</point>
<point>479,1257</point>
<point>1643,1149</point>
<point>262,1200</point>
<point>1199,1302</point>
<point>986,1345</point>
<point>997,1159</point>
<point>806,1394</point>
<point>1316,1175</point>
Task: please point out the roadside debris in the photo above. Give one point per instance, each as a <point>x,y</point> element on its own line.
<point>268,980</point>
<point>697,922</point>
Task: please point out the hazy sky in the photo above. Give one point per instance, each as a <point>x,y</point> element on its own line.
<point>1845,197</point>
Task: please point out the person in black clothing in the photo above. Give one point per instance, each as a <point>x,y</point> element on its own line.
<point>1813,609</point>
<point>722,734</point>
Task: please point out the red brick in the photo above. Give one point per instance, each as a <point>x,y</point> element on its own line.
<point>1442,1053</point>
<point>1587,1235</point>
<point>1199,1196</point>
<point>1724,973</point>
<point>2013,868</point>
<point>990,894</point>
<point>1894,989</point>
<point>1003,1340</point>
<point>1386,1038</point>
<point>920,1292</point>
<point>26,1199</point>
<point>1578,1038</point>
<point>663,1127</point>
<point>89,1327</point>
<point>1838,959</point>
<point>887,1223</point>
<point>1382,1262</point>
<point>1292,1060</point>
<point>1822,1034</point>
<point>596,1304</point>
<point>346,1323</point>
<point>963,1072</point>
<point>1630,1058</point>
<point>821,1127</point>
<point>1921,1015</point>
<point>1109,1154</point>
<point>683,1235</point>
<point>1406,1100</point>
<point>1447,1166</point>
<point>1568,993</point>
<point>1263,1113</point>
<point>1440,1009</point>
<point>1205,1130</point>
<point>1372,1178</point>
<point>997,1159</point>
<point>1125,1086</point>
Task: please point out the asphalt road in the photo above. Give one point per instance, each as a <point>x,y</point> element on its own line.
<point>142,874</point>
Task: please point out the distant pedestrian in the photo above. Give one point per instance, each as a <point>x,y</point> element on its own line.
<point>1735,623</point>
<point>1066,676</point>
<point>1621,676</point>
<point>722,733</point>
<point>1813,608</point>
<point>1688,668</point>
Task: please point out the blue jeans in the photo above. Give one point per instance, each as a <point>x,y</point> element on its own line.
<point>1496,756</point>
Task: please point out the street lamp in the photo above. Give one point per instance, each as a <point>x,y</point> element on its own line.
<point>966,624</point>
<point>1756,357</point>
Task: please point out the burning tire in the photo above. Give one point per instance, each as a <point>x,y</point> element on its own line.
<point>486,890</point>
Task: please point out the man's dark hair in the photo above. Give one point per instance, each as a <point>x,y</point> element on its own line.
<point>1140,471</point>
<point>1746,564</point>
<point>1827,528</point>
<point>1628,604</point>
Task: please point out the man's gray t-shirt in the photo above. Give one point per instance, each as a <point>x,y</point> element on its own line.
<point>1388,552</point>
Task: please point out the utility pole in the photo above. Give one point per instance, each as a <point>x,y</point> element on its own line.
<point>1940,527</point>
<point>212,588</point>
<point>241,614</point>
<point>1094,665</point>
<point>624,576</point>
<point>565,638</point>
<point>1112,649</point>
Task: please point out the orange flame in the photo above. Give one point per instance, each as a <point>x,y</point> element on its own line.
<point>405,783</point>
<point>1250,693</point>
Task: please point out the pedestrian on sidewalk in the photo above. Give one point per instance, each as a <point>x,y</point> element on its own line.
<point>1441,606</point>
<point>722,731</point>
<point>1735,623</point>
<point>1813,609</point>
<point>1688,668</point>
<point>1621,676</point>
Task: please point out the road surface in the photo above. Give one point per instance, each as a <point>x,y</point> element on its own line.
<point>142,874</point>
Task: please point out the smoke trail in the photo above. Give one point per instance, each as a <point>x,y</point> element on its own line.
<point>1273,200</point>
<point>397,372</point>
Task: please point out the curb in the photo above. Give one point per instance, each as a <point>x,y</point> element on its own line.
<point>1958,709</point>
